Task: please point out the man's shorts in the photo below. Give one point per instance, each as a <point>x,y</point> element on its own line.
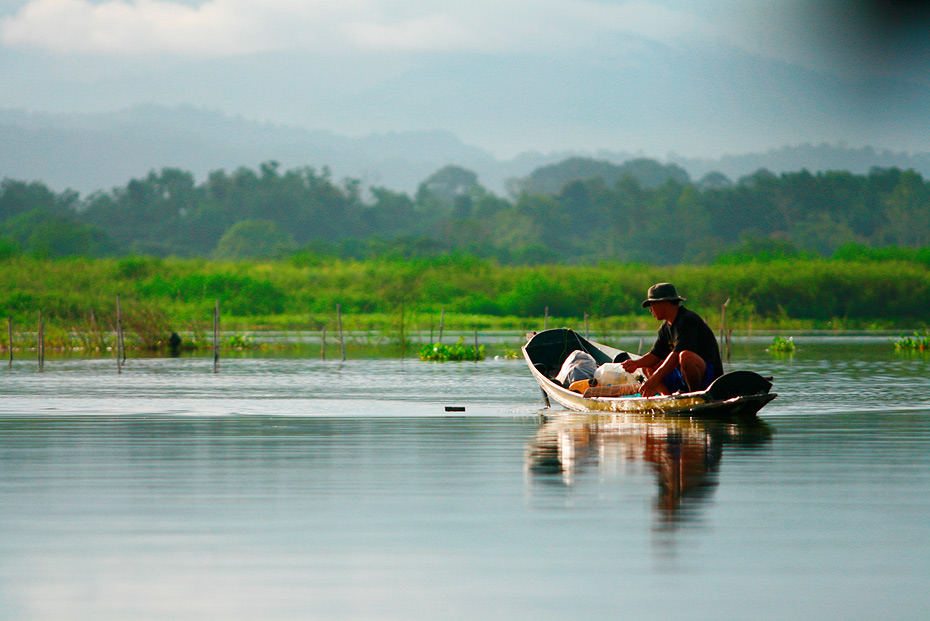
<point>675,382</point>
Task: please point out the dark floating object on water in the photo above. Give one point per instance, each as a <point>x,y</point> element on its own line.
<point>455,408</point>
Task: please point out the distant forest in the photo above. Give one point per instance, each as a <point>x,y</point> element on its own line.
<point>577,211</point>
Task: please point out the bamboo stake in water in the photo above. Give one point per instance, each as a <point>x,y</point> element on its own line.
<point>442,321</point>
<point>342,342</point>
<point>40,344</point>
<point>122,341</point>
<point>546,322</point>
<point>9,329</point>
<point>586,335</point>
<point>403,339</point>
<point>216,336</point>
<point>323,344</point>
<point>723,323</point>
<point>476,344</point>
<point>119,336</point>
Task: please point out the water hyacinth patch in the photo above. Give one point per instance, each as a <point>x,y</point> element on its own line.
<point>913,343</point>
<point>440,352</point>
<point>782,345</point>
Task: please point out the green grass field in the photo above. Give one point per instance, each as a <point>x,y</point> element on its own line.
<point>77,297</point>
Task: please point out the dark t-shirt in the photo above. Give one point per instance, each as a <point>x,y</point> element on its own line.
<point>688,332</point>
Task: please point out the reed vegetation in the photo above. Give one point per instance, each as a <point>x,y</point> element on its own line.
<point>77,296</point>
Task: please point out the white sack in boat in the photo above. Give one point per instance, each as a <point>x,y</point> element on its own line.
<point>578,366</point>
<point>612,373</point>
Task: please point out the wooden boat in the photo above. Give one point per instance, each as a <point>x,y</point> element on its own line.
<point>738,394</point>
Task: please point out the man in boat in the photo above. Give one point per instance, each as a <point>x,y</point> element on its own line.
<point>685,357</point>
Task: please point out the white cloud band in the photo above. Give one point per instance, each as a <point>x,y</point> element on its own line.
<point>230,27</point>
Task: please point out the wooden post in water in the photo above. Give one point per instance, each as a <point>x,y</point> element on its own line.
<point>586,335</point>
<point>476,344</point>
<point>342,342</point>
<point>9,330</point>
<point>723,325</point>
<point>40,344</point>
<point>122,341</point>
<point>323,344</point>
<point>119,336</point>
<point>216,336</point>
<point>403,339</point>
<point>546,320</point>
<point>442,322</point>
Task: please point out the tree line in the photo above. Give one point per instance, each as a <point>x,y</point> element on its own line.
<point>578,211</point>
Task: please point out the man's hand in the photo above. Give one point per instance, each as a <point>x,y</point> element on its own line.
<point>649,387</point>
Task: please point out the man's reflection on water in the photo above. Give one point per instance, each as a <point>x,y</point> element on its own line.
<point>684,453</point>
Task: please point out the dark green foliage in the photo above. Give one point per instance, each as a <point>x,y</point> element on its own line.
<point>19,197</point>
<point>17,303</point>
<point>56,233</point>
<point>240,295</point>
<point>134,268</point>
<point>253,239</point>
<point>449,183</point>
<point>761,250</point>
<point>8,248</point>
<point>69,306</point>
<point>858,252</point>
<point>580,211</point>
<point>166,213</point>
<point>649,173</point>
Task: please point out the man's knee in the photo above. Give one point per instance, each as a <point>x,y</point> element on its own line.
<point>690,360</point>
<point>693,369</point>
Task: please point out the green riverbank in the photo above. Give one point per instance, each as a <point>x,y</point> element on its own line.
<point>76,299</point>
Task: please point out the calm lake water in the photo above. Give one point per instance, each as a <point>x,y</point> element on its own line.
<point>299,489</point>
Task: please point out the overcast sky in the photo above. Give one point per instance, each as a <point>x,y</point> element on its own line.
<point>694,77</point>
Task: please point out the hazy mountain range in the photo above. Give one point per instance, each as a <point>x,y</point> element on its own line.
<point>89,152</point>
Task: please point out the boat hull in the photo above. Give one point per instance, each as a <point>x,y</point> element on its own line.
<point>743,396</point>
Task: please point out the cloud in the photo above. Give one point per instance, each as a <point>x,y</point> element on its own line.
<point>116,27</point>
<point>219,28</point>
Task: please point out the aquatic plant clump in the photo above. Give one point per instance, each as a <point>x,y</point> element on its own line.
<point>439,352</point>
<point>240,341</point>
<point>913,343</point>
<point>782,345</point>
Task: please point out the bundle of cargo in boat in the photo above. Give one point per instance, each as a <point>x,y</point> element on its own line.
<point>614,390</point>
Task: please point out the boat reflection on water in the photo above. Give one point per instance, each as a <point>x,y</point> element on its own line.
<point>684,453</point>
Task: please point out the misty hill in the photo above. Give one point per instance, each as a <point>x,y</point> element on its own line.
<point>551,178</point>
<point>822,157</point>
<point>100,151</point>
<point>90,152</point>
